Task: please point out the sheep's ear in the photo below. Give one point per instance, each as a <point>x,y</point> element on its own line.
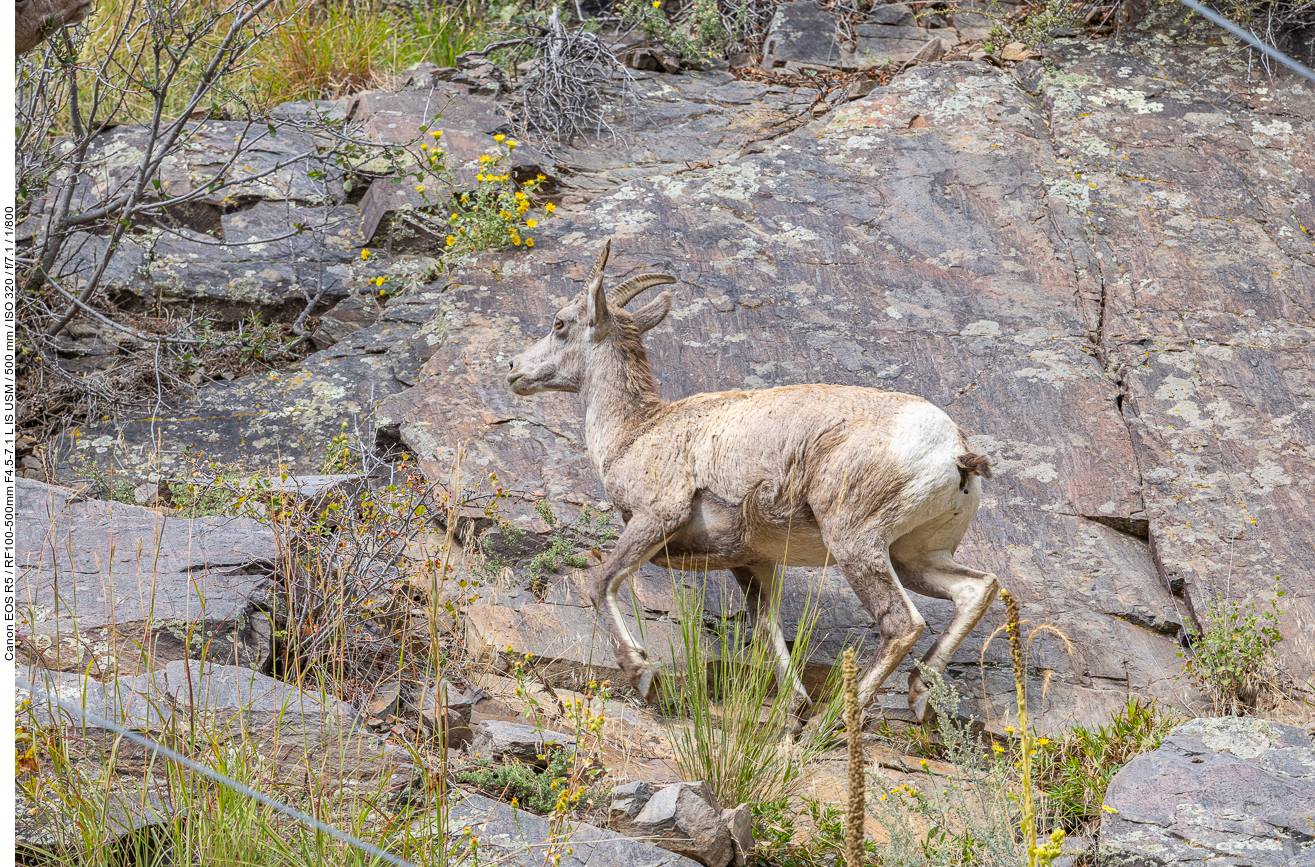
<point>653,312</point>
<point>595,297</point>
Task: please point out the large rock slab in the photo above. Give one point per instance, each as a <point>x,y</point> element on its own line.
<point>802,32</point>
<point>1230,791</point>
<point>1196,207</point>
<point>114,588</point>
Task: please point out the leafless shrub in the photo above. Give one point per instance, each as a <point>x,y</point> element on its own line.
<point>576,83</point>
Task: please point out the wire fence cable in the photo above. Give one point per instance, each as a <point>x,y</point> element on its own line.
<point>1249,38</point>
<point>278,806</point>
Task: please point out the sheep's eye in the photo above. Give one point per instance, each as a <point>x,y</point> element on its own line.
<point>558,325</point>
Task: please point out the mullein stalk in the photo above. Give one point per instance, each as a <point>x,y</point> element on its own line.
<point>857,787</point>
<point>1037,856</point>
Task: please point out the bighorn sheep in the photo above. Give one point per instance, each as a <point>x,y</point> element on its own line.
<point>878,483</point>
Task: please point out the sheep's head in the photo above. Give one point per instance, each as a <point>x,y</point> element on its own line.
<point>560,360</point>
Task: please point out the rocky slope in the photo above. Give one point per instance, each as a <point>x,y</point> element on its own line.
<point>1101,265</point>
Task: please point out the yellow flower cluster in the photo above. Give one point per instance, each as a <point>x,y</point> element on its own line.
<point>497,212</point>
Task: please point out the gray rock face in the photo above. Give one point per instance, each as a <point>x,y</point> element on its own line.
<point>1230,791</point>
<point>285,418</point>
<point>682,818</point>
<point>98,581</point>
<point>232,707</point>
<point>498,741</point>
<point>523,839</point>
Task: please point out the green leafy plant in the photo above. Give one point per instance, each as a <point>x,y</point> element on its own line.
<point>592,530</point>
<point>571,781</point>
<point>116,487</point>
<point>522,785</point>
<point>810,835</point>
<point>1233,659</point>
<point>1076,769</point>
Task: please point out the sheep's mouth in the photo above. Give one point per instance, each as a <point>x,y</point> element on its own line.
<point>514,378</point>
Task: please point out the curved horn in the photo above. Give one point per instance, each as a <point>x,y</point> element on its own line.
<point>622,294</point>
<point>599,265</point>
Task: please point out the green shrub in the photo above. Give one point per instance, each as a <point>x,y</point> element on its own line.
<point>1076,770</point>
<point>782,842</point>
<point>441,33</point>
<point>535,790</point>
<point>1233,659</point>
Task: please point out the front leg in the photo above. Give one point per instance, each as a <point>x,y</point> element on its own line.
<point>643,537</point>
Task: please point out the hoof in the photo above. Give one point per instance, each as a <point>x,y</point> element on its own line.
<point>920,704</point>
<point>646,685</point>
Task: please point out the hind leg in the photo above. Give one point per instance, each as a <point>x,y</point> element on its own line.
<point>872,576</point>
<point>760,585</point>
<point>938,575</point>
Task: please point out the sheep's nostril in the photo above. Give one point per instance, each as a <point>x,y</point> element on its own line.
<point>511,365</point>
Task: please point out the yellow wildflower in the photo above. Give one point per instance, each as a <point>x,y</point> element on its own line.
<point>550,207</point>
<point>512,144</point>
<point>365,254</point>
<point>541,177</point>
<point>529,242</point>
<point>451,239</point>
<point>520,197</point>
<point>479,178</point>
<point>420,188</point>
<point>499,137</point>
<point>998,749</point>
<point>1041,742</point>
<point>436,133</point>
<point>378,281</point>
<point>531,223</point>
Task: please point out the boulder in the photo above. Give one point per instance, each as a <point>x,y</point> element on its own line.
<point>273,258</point>
<point>627,802</point>
<point>1230,791</point>
<point>227,702</point>
<point>739,821</point>
<point>117,588</point>
<point>682,818</point>
<point>498,741</point>
<point>892,15</point>
<point>878,44</point>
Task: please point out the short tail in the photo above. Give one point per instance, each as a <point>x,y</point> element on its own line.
<point>973,465</point>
